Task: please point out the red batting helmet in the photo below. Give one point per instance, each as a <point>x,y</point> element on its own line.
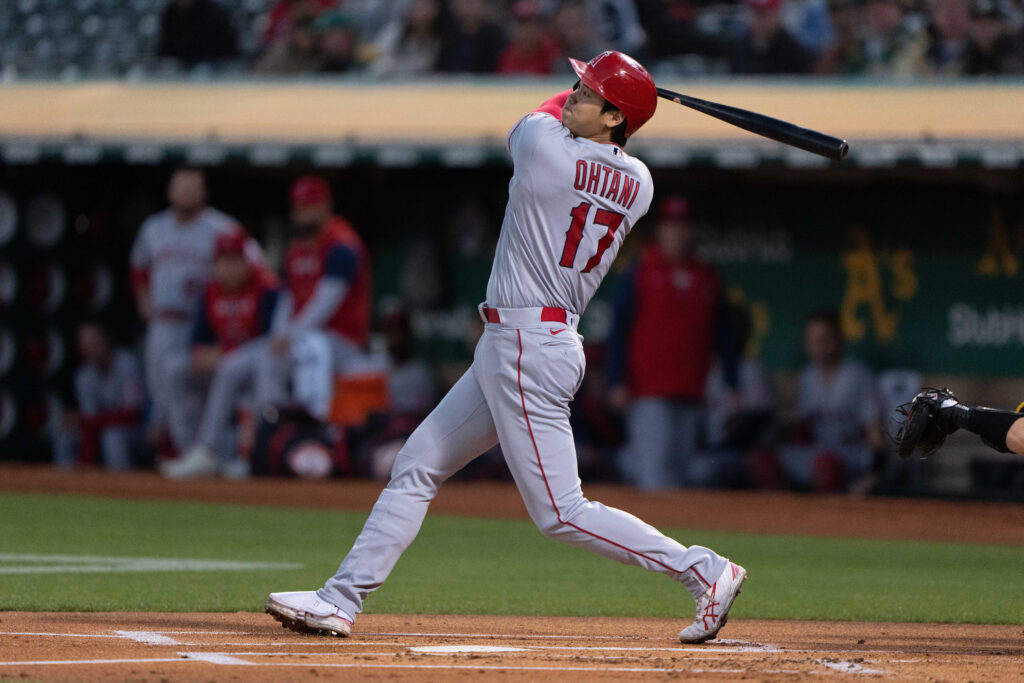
<point>621,80</point>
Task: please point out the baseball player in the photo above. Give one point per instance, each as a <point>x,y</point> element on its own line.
<point>838,410</point>
<point>108,390</point>
<point>321,321</point>
<point>936,413</point>
<point>226,343</point>
<point>573,197</point>
<point>171,263</point>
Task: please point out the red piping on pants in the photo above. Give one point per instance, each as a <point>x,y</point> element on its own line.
<point>558,514</point>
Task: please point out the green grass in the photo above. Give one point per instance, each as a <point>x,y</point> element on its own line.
<point>477,566</point>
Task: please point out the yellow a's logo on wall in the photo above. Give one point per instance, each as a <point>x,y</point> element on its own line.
<point>998,258</point>
<point>874,279</point>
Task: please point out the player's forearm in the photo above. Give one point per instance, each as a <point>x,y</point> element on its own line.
<point>327,297</point>
<point>554,105</point>
<point>1015,437</point>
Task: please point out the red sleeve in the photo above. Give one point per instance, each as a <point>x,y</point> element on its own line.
<point>554,105</point>
<point>140,278</point>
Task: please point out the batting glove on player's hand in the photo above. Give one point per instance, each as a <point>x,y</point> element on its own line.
<point>933,414</point>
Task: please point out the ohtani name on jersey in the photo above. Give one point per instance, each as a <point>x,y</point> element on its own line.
<point>606,182</point>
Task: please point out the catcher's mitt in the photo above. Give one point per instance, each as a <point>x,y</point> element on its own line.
<point>925,422</point>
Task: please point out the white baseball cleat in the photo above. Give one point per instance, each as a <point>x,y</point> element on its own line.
<point>713,606</point>
<point>235,469</point>
<point>198,461</point>
<point>305,612</point>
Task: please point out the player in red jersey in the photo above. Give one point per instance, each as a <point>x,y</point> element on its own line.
<point>322,319</point>
<point>234,313</point>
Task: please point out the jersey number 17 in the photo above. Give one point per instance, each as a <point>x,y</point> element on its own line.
<point>609,219</point>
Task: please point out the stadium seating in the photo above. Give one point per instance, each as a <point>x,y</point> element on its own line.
<point>72,38</point>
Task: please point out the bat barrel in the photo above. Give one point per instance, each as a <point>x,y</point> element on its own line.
<point>766,126</point>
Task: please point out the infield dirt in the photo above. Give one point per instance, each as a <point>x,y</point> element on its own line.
<point>250,647</point>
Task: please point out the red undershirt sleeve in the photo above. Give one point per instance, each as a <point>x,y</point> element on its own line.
<point>554,105</point>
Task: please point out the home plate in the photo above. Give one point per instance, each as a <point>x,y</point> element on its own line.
<point>463,649</point>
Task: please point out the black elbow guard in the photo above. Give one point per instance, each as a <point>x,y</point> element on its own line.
<point>992,425</point>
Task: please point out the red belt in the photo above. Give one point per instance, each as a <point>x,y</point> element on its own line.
<point>548,314</point>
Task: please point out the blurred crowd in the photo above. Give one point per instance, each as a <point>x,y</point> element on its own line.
<point>248,369</point>
<point>410,38</point>
<point>403,39</point>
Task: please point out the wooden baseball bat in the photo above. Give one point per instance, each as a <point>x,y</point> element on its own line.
<point>775,129</point>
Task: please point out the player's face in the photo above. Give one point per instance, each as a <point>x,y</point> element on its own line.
<point>231,270</point>
<point>582,115</point>
<point>675,237</point>
<point>92,343</point>
<point>187,191</point>
<point>821,343</point>
<point>307,219</point>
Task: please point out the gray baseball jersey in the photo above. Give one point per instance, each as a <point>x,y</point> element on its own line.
<point>177,257</point>
<point>571,203</point>
<point>838,409</point>
<point>120,387</point>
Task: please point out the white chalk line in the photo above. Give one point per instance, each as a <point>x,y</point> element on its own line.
<point>217,658</point>
<point>850,668</point>
<point>101,564</point>
<point>417,650</point>
<point>148,637</point>
<point>233,658</point>
<point>185,632</point>
<point>156,638</point>
<point>506,635</point>
<point>596,658</point>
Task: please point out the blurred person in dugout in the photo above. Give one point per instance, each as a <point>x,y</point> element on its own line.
<point>321,321</point>
<point>669,324</point>
<point>228,338</point>
<point>106,426</point>
<point>737,421</point>
<point>171,261</point>
<point>838,428</point>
